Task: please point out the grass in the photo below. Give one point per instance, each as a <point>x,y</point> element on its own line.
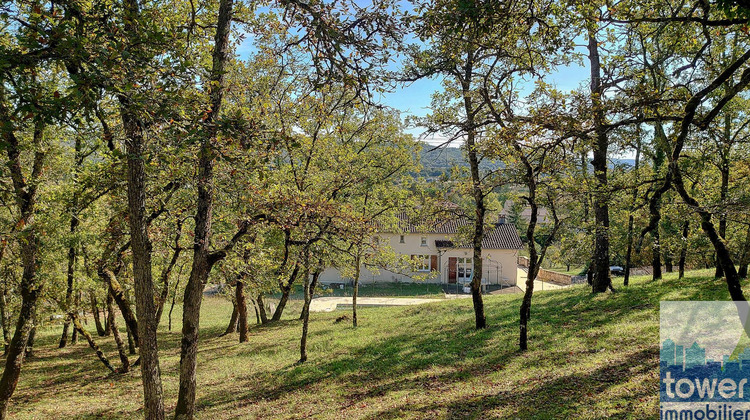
<point>425,290</point>
<point>590,357</point>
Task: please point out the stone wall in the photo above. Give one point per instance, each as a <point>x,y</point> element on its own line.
<point>547,275</point>
<point>554,277</point>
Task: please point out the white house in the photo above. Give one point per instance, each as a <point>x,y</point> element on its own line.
<point>440,257</point>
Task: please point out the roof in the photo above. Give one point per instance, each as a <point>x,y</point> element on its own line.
<point>542,215</point>
<point>501,236</point>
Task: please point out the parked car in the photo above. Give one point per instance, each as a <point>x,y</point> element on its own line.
<point>616,270</point>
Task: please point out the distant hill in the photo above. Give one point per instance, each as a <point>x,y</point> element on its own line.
<point>623,162</point>
<point>440,161</point>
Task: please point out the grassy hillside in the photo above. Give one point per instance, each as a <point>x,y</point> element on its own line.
<point>590,357</point>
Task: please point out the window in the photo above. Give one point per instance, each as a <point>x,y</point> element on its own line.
<point>422,263</point>
<point>376,240</point>
<point>464,267</point>
<point>401,239</point>
<point>423,241</point>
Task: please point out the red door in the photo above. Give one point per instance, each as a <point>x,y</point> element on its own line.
<point>452,270</point>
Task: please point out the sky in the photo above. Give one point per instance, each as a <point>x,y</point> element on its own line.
<point>414,99</point>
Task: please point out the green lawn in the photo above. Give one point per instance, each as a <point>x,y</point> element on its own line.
<point>429,290</point>
<point>417,289</point>
<point>590,357</point>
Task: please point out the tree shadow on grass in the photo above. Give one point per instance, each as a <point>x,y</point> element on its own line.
<point>457,353</point>
<point>377,368</point>
<point>567,396</point>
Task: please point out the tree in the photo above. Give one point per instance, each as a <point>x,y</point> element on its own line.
<point>25,189</point>
<point>203,259</point>
<point>601,279</point>
<point>25,139</point>
<point>702,105</point>
<point>536,160</point>
<point>479,49</point>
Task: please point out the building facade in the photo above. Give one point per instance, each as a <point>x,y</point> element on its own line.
<point>439,258</point>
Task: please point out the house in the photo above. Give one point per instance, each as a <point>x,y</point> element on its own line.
<point>439,256</point>
<point>522,211</point>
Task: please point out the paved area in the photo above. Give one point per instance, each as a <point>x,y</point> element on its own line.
<point>329,303</point>
<point>538,285</point>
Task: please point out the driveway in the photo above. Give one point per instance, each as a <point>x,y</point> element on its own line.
<point>330,303</point>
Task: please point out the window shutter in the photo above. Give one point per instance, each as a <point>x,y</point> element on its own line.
<point>433,263</point>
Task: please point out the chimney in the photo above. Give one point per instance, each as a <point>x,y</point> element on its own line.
<point>501,219</point>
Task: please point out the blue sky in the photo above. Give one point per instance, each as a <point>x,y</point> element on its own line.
<point>414,99</point>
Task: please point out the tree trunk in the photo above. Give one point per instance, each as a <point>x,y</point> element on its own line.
<point>90,339</point>
<point>480,321</point>
<point>306,302</point>
<point>123,303</point>
<point>257,314</point>
<point>306,317</point>
<point>164,294</point>
<point>281,305</point>
<point>535,258</point>
<point>69,289</point>
<point>601,279</point>
<point>25,195</point>
<point>722,253</point>
<point>357,269</point>
<point>654,204</point>
<point>64,335</point>
<point>191,305</point>
<point>107,324</point>
<point>656,254</point>
<point>631,219</point>
<point>97,317</point>
<point>5,319</point>
<point>262,309</point>
<point>241,311</point>
<point>174,299</point>
<point>286,289</point>
<point>629,251</point>
<point>131,342</point>
<point>723,193</point>
<point>525,311</point>
<point>232,327</point>
<point>140,243</point>
<point>29,352</point>
<point>202,235</point>
<point>745,257</point>
<point>668,263</point>
<point>111,321</point>
<point>683,248</point>
<point>29,294</point>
